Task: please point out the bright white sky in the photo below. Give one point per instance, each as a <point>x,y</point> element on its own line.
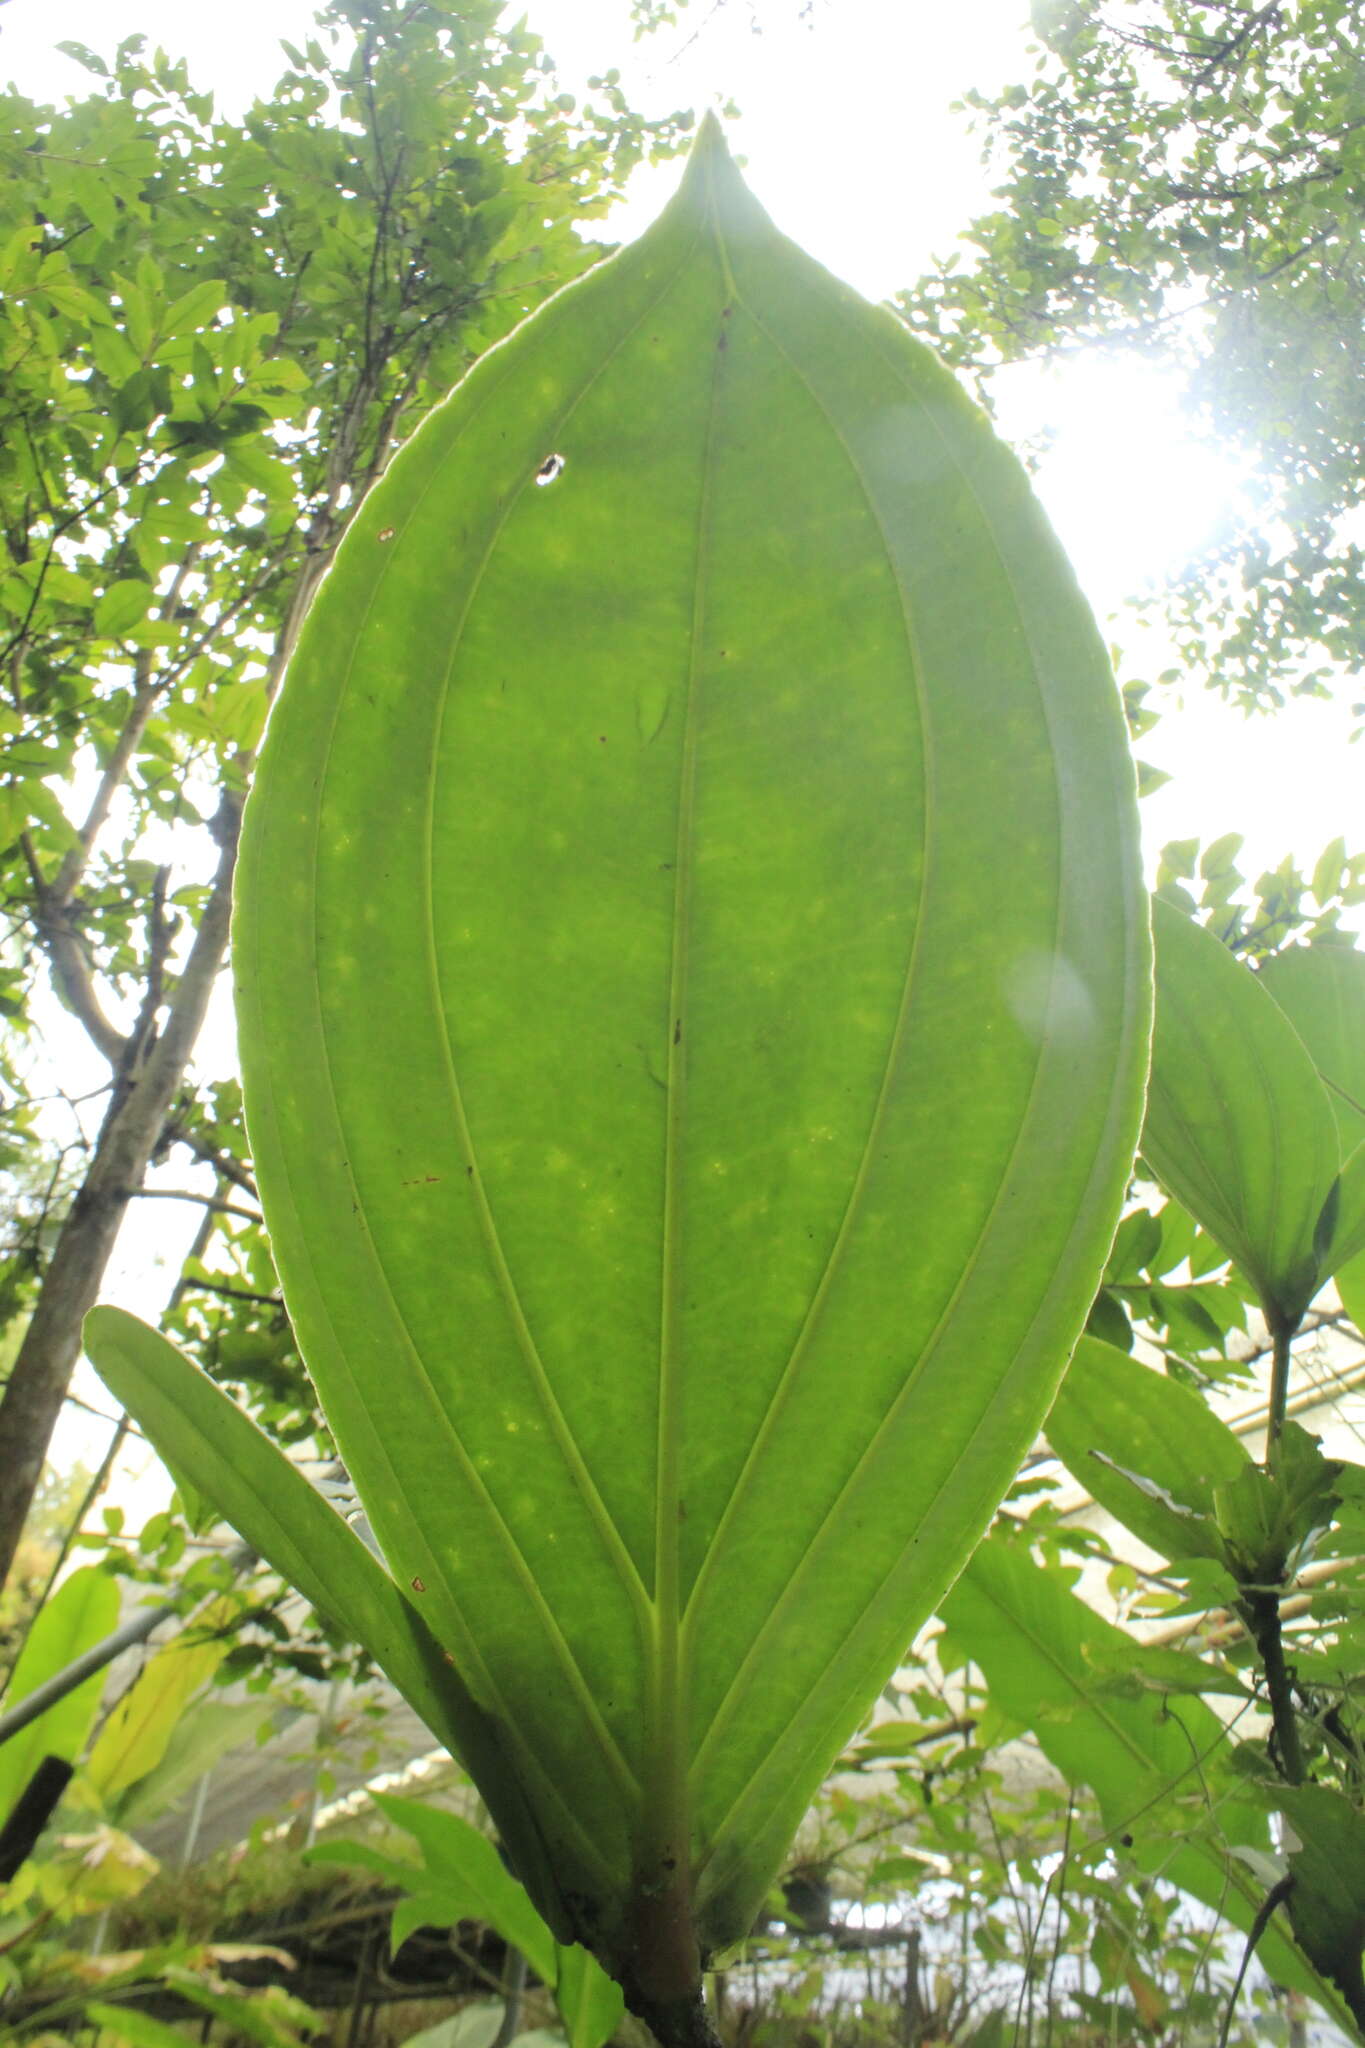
<point>852,145</point>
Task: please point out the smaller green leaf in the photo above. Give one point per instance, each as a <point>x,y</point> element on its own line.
<point>138,2029</point>
<point>1328,872</point>
<point>1220,855</point>
<point>1321,990</point>
<point>464,1864</point>
<point>79,1614</point>
<point>1137,1243</point>
<point>196,308</point>
<point>222,1453</point>
<point>122,606</point>
<point>200,1740</point>
<point>1341,1226</point>
<point>1146,1448</point>
<point>1107,1321</point>
<point>1178,857</point>
<point>589,2001</point>
<point>1263,1519</point>
<point>1239,1127</point>
<point>133,1740</point>
<point>463,1877</point>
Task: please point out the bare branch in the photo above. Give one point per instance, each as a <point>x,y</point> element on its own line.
<point>216,1203</point>
<point>231,1169</point>
<point>233,1293</point>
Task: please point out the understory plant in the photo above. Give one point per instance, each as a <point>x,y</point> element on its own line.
<point>693,983</point>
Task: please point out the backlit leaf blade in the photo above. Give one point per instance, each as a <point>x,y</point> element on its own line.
<point>135,1735</point>
<point>1238,1126</point>
<point>1342,1228</point>
<point>692,982</point>
<point>1351,1287</point>
<point>1046,1655</point>
<point>464,1866</point>
<point>1321,990</point>
<point>82,1611</point>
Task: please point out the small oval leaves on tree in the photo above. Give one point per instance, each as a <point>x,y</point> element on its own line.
<point>693,982</point>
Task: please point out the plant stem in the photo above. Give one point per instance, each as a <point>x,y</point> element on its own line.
<point>677,2023</point>
<point>1282,1335</point>
<point>1263,1617</point>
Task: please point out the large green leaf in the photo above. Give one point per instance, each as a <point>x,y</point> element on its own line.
<point>82,1611</point>
<point>1239,1126</point>
<point>692,979</point>
<point>1157,1764</point>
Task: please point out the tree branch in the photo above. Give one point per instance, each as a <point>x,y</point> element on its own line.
<point>71,973</point>
<point>222,1162</point>
<point>215,1203</point>
<point>234,1293</point>
<point>37,1385</point>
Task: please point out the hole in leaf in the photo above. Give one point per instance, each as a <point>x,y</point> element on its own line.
<point>549,469</point>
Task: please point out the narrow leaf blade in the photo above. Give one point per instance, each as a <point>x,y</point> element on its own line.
<point>224,1455</point>
<point>1238,1126</point>
<point>135,1736</point>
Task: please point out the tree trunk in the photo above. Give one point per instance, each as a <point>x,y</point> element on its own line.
<point>37,1386</point>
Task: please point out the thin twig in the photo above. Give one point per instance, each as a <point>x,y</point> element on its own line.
<point>234,1293</point>
<point>213,1202</point>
